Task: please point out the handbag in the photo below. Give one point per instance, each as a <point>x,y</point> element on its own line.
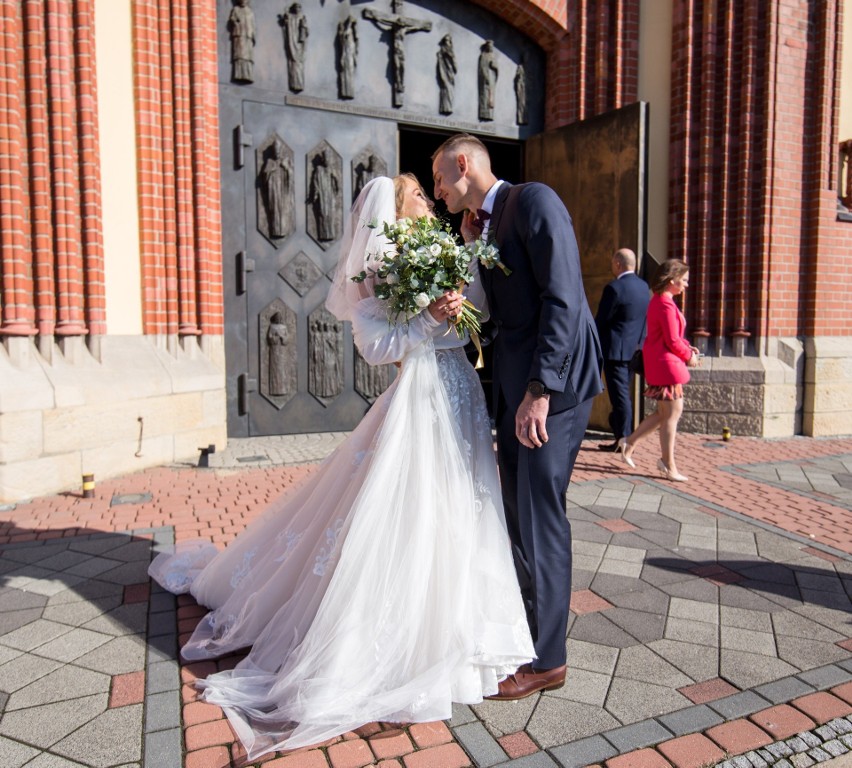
<point>636,365</point>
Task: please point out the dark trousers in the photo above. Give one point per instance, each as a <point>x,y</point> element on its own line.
<point>618,389</point>
<point>534,483</point>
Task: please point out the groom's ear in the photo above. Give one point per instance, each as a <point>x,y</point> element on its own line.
<point>462,163</point>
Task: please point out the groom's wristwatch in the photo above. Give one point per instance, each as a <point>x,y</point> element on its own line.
<point>537,389</point>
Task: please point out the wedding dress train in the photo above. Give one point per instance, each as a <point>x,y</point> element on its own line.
<point>383,589</point>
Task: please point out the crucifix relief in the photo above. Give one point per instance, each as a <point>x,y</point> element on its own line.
<point>398,26</point>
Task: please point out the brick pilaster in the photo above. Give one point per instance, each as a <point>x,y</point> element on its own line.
<point>176,116</point>
<point>15,267</point>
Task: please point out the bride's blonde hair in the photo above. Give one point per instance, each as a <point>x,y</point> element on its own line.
<point>399,190</point>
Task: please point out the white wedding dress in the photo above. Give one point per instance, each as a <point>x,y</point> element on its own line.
<point>383,588</point>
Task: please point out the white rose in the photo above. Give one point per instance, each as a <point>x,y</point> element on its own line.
<point>421,300</point>
<point>435,249</point>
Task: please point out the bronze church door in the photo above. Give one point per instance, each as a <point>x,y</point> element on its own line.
<point>312,99</point>
<point>296,369</point>
<point>599,168</point>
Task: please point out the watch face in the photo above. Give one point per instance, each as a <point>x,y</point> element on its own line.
<point>535,388</point>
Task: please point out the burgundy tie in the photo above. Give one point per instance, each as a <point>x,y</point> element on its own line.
<point>480,219</point>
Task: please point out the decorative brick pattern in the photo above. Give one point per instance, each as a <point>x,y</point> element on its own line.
<point>51,244</point>
<point>177,123</point>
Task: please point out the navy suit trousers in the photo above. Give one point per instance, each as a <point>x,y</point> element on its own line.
<point>534,484</point>
<point>618,389</point>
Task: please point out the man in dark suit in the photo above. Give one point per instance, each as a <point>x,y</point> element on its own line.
<point>546,371</point>
<point>620,320</point>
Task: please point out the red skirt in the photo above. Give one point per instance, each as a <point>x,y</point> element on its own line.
<point>664,392</point>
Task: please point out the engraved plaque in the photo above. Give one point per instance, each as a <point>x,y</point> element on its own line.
<point>300,273</point>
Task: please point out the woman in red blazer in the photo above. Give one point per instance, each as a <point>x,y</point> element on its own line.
<point>666,354</point>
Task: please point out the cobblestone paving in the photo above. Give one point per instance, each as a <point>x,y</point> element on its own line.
<point>710,620</point>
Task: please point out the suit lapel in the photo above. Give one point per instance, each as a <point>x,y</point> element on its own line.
<point>497,211</point>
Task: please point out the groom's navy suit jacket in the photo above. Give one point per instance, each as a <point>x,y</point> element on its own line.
<point>545,329</point>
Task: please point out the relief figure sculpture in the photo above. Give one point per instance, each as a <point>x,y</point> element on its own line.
<point>275,184</point>
<point>446,71</point>
<point>325,374</point>
<point>488,73</point>
<point>366,170</point>
<point>242,31</point>
<point>347,57</point>
<point>295,27</point>
<point>521,117</point>
<point>323,196</point>
<point>282,375</point>
<point>399,26</point>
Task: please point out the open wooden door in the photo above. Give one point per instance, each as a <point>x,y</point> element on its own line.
<point>599,168</point>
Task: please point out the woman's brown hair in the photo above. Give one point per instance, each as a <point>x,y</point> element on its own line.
<point>669,270</point>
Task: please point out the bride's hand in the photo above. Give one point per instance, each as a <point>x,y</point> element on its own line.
<point>447,306</point>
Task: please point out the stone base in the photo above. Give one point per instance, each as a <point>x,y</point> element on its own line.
<point>828,386</point>
<point>754,396</point>
<point>106,406</point>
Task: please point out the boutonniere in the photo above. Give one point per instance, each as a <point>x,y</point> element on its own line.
<point>488,255</point>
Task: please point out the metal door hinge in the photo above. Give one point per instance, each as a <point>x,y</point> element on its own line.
<point>244,266</point>
<point>242,139</point>
<point>245,386</point>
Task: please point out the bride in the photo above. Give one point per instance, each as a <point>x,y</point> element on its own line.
<point>383,589</point>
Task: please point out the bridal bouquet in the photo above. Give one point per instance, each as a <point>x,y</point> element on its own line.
<point>426,261</point>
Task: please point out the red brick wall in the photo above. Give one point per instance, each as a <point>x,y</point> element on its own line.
<point>752,179</point>
<point>52,273</point>
<point>177,124</point>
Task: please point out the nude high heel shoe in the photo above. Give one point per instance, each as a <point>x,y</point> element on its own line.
<point>626,451</point>
<point>669,475</point>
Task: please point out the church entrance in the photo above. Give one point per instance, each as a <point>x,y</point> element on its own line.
<point>314,101</point>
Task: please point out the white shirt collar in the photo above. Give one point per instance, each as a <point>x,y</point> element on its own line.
<point>488,203</point>
<point>623,274</point>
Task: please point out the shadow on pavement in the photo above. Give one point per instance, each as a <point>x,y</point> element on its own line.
<point>789,583</point>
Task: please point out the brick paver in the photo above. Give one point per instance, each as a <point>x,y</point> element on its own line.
<point>739,736</point>
<point>708,690</point>
<point>518,744</point>
<point>430,734</point>
<point>395,743</point>
<point>445,756</point>
<point>641,758</point>
<point>822,706</point>
<point>782,721</point>
<point>127,689</point>
<point>692,751</point>
<point>354,753</point>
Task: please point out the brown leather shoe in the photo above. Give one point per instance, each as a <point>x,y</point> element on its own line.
<point>527,681</point>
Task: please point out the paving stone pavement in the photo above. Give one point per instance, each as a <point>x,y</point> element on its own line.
<point>710,620</point>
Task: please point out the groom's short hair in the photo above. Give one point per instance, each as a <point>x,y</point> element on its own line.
<point>462,142</point>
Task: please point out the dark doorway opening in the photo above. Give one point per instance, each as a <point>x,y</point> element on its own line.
<point>416,146</point>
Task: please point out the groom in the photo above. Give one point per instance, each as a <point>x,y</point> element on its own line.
<point>546,371</point>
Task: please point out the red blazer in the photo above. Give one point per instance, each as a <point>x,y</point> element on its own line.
<point>665,351</point>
